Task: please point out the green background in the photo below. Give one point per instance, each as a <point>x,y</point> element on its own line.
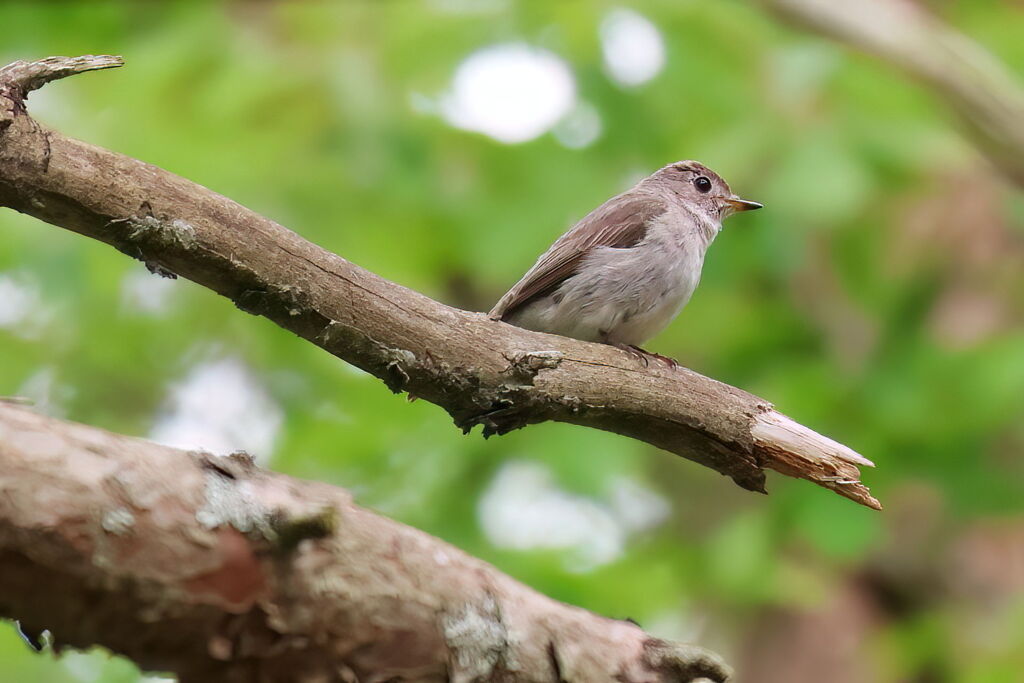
<point>878,298</point>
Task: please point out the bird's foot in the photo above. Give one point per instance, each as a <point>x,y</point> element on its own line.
<point>646,356</point>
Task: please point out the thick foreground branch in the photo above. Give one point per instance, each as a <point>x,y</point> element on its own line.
<point>480,371</point>
<point>217,570</point>
<point>975,84</point>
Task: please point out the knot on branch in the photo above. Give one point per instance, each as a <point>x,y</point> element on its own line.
<point>397,366</point>
<point>230,499</point>
<point>526,365</point>
<point>156,232</point>
<point>147,234</point>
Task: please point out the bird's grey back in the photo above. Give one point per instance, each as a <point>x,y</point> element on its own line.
<point>620,222</point>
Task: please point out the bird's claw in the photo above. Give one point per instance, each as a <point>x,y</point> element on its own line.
<point>645,356</point>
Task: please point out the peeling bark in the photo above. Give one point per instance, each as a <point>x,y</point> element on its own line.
<point>219,571</point>
<point>481,371</point>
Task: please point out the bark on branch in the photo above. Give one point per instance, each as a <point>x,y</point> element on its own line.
<point>481,371</point>
<point>222,572</point>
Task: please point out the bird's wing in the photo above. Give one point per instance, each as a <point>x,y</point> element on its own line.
<point>620,222</point>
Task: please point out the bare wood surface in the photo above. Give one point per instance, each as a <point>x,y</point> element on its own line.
<point>220,571</point>
<point>986,95</point>
<point>480,371</point>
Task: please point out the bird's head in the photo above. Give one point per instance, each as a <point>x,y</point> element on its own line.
<point>700,189</point>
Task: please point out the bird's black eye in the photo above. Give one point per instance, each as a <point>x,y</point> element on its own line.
<point>702,183</point>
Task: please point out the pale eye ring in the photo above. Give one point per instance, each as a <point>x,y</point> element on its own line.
<point>702,183</point>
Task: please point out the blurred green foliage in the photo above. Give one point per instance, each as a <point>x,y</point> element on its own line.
<point>877,298</point>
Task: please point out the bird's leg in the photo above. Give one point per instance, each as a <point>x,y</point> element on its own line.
<point>644,355</point>
<point>637,352</point>
<point>667,360</point>
<point>634,351</point>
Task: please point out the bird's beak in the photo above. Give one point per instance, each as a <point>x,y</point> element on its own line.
<point>737,204</point>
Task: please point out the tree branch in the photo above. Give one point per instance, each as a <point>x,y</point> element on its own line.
<point>974,83</point>
<point>217,570</point>
<point>480,371</point>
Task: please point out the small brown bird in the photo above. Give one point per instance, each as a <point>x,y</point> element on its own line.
<point>621,274</point>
